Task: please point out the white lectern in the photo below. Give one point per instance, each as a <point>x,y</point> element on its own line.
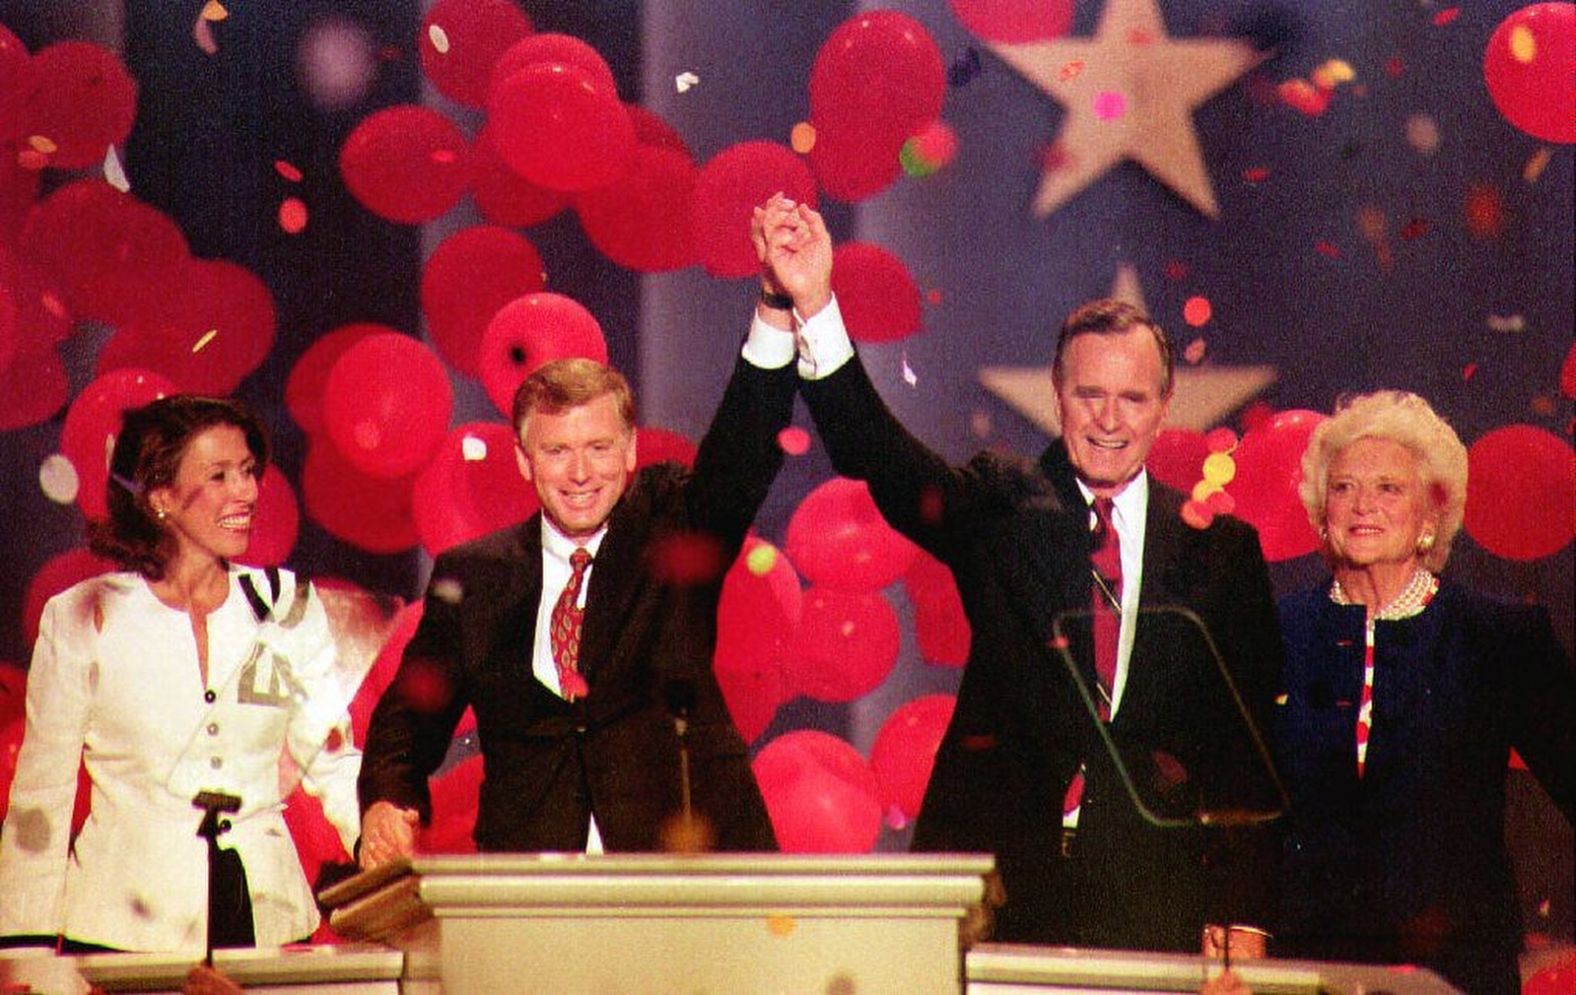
<point>717,923</point>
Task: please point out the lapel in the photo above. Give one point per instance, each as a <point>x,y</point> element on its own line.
<point>617,577</point>
<point>508,619</point>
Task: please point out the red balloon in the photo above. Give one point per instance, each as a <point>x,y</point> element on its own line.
<point>837,537</point>
<point>940,626</point>
<point>13,685</point>
<point>18,184</point>
<point>381,674</point>
<point>93,422</point>
<point>729,187</point>
<point>1269,469</point>
<point>407,163</point>
<point>10,335</point>
<point>81,99</point>
<point>368,512</point>
<point>846,644</point>
<point>456,793</point>
<point>15,63</point>
<point>820,793</point>
<point>316,840</point>
<point>642,219</point>
<point>1558,978</point>
<point>503,196</point>
<point>550,46</point>
<point>1177,458</point>
<point>32,390</point>
<point>470,35</point>
<point>470,275</point>
<point>472,487</point>
<point>10,746</point>
<point>1014,21</point>
<point>213,325</point>
<point>852,164</point>
<point>1521,502</point>
<point>387,404</point>
<point>556,127</point>
<point>42,321</point>
<point>530,331</point>
<point>875,292</point>
<point>659,445</point>
<point>905,752</point>
<point>652,129</point>
<point>1527,66</point>
<point>1568,374</point>
<point>107,251</point>
<point>276,521</point>
<point>756,619</point>
<point>309,376</point>
<point>59,572</point>
<point>878,73</point>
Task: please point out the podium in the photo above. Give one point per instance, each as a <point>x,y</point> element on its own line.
<point>651,923</point>
<point>352,969</point>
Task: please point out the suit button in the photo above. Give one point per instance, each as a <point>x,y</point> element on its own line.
<point>215,762</point>
<point>580,730</point>
<point>209,696</point>
<point>213,728</point>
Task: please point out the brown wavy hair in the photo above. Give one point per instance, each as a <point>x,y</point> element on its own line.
<point>148,451</point>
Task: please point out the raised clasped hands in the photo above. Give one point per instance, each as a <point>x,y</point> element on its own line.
<point>795,253</point>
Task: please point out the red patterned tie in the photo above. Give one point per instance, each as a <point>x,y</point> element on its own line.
<point>1105,595</point>
<point>564,628</point>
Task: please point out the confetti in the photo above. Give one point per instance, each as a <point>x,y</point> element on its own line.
<point>287,170</point>
<point>1422,133</point>
<point>1469,371</point>
<point>1109,105</point>
<point>114,172</point>
<point>213,10</point>
<point>760,560</point>
<point>1327,249</point>
<point>933,297</point>
<point>42,144</point>
<point>1373,223</point>
<point>439,39</point>
<point>683,81</point>
<point>1303,97</point>
<point>1220,440</point>
<point>1176,269</point>
<point>1542,405</point>
<point>1485,212</point>
<point>802,138</point>
<point>206,338</point>
<point>473,449</point>
<point>980,425</point>
<point>292,215</point>
<point>909,376</point>
<point>780,926</point>
<point>1194,353</point>
<point>794,440</point>
<point>1202,490</point>
<point>1256,174</point>
<point>1536,164</point>
<point>57,478</point>
<point>964,68</point>
<point>1444,17</point>
<point>1393,66</point>
<point>1506,323</point>
<point>1070,70</point>
<point>202,35</point>
<point>1197,514</point>
<point>1332,74</point>
<point>1219,469</point>
<point>1197,311</point>
<point>1523,45</point>
<point>1415,228</point>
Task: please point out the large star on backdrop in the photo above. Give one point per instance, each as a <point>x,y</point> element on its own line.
<point>1202,395</point>
<point>1130,91</point>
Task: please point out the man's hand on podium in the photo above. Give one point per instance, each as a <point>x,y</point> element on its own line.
<point>388,832</point>
<point>205,980</point>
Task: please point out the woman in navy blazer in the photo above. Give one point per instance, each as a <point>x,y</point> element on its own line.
<point>1404,695</point>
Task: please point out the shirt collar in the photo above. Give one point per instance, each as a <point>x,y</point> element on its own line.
<point>561,546</point>
<point>1129,504</point>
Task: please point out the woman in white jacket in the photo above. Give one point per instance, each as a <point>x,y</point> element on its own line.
<point>182,673</point>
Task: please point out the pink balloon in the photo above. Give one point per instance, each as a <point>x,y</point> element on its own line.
<point>456,793</point>
<point>213,325</point>
<point>370,513</point>
<point>470,275</point>
<point>473,33</point>
<point>276,521</point>
<point>1527,66</point>
<point>549,46</point>
<point>904,753</point>
<point>1014,21</point>
<point>660,445</point>
<point>875,292</point>
<point>59,572</point>
<point>381,674</point>
<point>107,251</point>
<point>820,793</point>
<point>756,619</point>
<point>641,220</point>
<point>1269,469</point>
<point>32,390</point>
<point>471,487</point>
<point>729,187</point>
<point>406,163</point>
<point>387,404</point>
<point>1177,458</point>
<point>846,644</point>
<point>503,196</point>
<point>309,376</point>
<point>93,422</point>
<point>82,99</point>
<point>554,126</point>
<point>940,626</point>
<point>530,331</point>
<point>1521,502</point>
<point>837,538</point>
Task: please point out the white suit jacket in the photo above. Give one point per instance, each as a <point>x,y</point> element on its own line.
<point>115,683</point>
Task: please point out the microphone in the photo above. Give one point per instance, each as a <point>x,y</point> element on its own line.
<point>686,833</point>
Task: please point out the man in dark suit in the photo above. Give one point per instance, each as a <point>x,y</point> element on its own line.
<point>1022,771</point>
<point>580,724</point>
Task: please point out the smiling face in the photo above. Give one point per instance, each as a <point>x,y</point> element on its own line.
<point>1111,397</point>
<point>1375,505</point>
<point>579,460</point>
<point>208,506</point>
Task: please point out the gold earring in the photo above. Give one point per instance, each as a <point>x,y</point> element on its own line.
<point>1425,542</point>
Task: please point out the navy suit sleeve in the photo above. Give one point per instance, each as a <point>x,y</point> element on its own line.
<point>1542,693</point>
<point>740,455</point>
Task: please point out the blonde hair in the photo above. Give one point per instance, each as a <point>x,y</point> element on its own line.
<point>1405,418</point>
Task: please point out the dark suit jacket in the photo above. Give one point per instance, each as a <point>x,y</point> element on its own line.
<point>549,764</point>
<point>1408,863</point>
<point>1021,728</point>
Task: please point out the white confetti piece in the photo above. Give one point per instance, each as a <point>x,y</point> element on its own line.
<point>114,172</point>
<point>439,39</point>
<point>683,81</point>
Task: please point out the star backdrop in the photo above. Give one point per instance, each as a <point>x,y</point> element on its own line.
<point>1312,197</point>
